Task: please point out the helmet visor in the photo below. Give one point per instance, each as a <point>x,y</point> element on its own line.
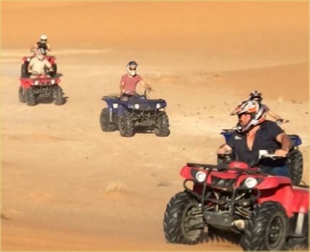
<point>239,115</point>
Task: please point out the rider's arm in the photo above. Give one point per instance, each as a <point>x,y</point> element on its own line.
<point>121,86</point>
<point>145,85</point>
<point>30,65</point>
<point>48,47</point>
<point>33,48</point>
<point>224,149</point>
<point>48,65</point>
<point>286,144</point>
<point>274,115</point>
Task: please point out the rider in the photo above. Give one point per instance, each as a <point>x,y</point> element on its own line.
<point>255,133</point>
<point>130,80</point>
<point>257,96</point>
<point>42,44</point>
<point>38,65</point>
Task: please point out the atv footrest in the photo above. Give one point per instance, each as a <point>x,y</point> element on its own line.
<point>218,220</point>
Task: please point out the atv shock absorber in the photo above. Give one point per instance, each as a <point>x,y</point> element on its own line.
<point>299,223</point>
<point>110,115</point>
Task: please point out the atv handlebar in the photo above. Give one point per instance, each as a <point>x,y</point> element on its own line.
<point>267,154</point>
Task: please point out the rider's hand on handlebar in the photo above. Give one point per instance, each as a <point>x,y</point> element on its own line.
<point>281,153</point>
<point>279,121</point>
<point>223,151</point>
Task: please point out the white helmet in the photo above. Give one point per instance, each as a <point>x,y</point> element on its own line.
<point>43,37</point>
<point>256,96</point>
<point>257,112</point>
<point>132,68</point>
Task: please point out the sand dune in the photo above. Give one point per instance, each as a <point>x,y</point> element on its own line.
<point>68,185</point>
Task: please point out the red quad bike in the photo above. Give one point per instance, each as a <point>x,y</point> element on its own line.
<point>265,212</point>
<point>26,60</point>
<point>43,86</point>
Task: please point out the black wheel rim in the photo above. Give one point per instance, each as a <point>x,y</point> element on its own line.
<point>190,222</point>
<point>275,232</point>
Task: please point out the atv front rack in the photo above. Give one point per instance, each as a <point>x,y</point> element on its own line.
<point>222,194</point>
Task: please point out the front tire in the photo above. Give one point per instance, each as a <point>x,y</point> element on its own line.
<point>295,166</point>
<point>58,96</point>
<point>105,124</point>
<point>267,228</point>
<point>21,95</point>
<point>30,97</point>
<point>162,125</point>
<point>126,128</point>
<point>180,223</point>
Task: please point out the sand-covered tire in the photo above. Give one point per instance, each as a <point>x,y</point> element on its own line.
<point>295,166</point>
<point>105,124</point>
<point>180,225</point>
<point>162,125</point>
<point>58,96</point>
<point>53,74</point>
<point>30,97</point>
<point>126,127</point>
<point>21,95</point>
<point>225,159</point>
<point>24,70</point>
<point>267,228</point>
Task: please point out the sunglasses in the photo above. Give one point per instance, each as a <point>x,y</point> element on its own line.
<point>132,68</point>
<point>239,115</point>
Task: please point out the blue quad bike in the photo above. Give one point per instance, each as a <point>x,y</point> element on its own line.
<point>294,159</point>
<point>134,113</point>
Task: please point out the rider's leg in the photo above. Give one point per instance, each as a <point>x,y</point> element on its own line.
<point>280,171</point>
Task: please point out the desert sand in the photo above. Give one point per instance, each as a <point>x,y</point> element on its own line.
<point>66,185</point>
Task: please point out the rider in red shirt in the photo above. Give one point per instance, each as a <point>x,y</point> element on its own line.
<point>130,80</point>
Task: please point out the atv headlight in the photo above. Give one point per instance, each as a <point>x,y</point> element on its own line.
<point>250,182</point>
<point>136,106</point>
<point>158,105</point>
<point>115,105</point>
<point>52,81</point>
<point>36,82</point>
<point>201,176</point>
<point>28,59</point>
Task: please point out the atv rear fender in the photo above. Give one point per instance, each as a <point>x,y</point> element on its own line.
<point>300,200</point>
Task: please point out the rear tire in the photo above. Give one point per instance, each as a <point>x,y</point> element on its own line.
<point>24,70</point>
<point>295,166</point>
<point>225,159</point>
<point>162,125</point>
<point>105,124</point>
<point>179,220</point>
<point>30,97</point>
<point>21,95</point>
<point>267,228</point>
<point>126,128</point>
<point>53,74</point>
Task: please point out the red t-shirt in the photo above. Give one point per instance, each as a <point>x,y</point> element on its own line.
<point>130,82</point>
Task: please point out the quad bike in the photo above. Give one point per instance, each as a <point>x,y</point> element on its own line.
<point>134,112</point>
<point>294,159</point>
<point>264,212</point>
<point>42,86</point>
<point>27,59</point>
